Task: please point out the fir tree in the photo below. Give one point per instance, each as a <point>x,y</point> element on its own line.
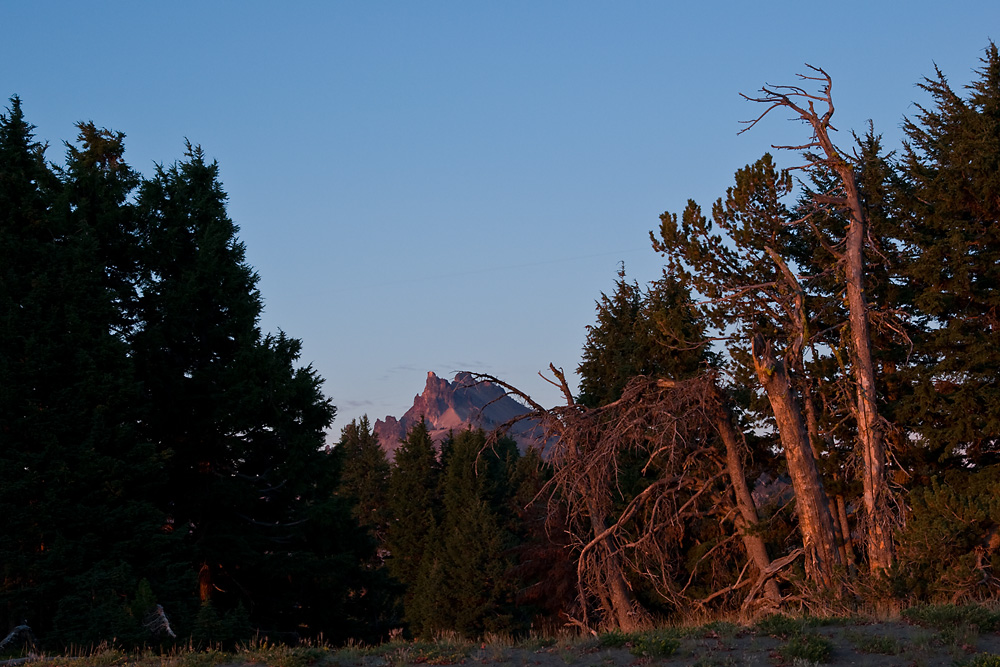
<point>414,507</point>
<point>30,447</point>
<point>77,529</point>
<point>365,477</point>
<point>463,584</point>
<point>653,333</point>
<point>952,167</point>
<point>239,426</point>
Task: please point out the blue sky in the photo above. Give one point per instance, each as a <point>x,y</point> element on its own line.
<point>451,185</point>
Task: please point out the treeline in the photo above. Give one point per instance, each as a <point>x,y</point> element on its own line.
<point>803,411</point>
<point>158,452</point>
<point>461,546</point>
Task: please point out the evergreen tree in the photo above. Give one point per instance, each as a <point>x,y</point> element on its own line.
<point>545,566</point>
<point>413,506</point>
<point>364,484</point>
<point>120,542</point>
<point>952,167</point>
<point>76,528</point>
<point>30,447</point>
<point>463,584</point>
<point>365,477</point>
<point>99,185</point>
<point>740,261</point>
<point>653,333</point>
<point>238,425</point>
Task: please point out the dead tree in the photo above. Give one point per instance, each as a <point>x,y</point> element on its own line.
<point>673,430</point>
<point>822,153</point>
<point>751,291</point>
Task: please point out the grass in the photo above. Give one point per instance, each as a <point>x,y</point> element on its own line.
<point>877,644</point>
<point>984,660</point>
<point>802,645</point>
<point>941,617</point>
<point>723,629</point>
<point>807,646</point>
<point>659,643</point>
<point>779,626</point>
<point>655,644</point>
<point>941,630</point>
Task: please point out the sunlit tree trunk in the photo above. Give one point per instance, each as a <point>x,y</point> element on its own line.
<point>823,153</point>
<point>815,522</point>
<point>747,516</point>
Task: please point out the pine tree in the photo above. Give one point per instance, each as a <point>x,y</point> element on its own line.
<point>463,584</point>
<point>739,260</point>
<point>239,426</point>
<point>77,529</point>
<point>952,167</point>
<point>414,507</point>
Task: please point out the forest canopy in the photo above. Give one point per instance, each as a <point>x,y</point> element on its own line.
<point>802,412</point>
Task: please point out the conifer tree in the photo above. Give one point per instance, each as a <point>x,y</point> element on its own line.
<point>653,333</point>
<point>463,584</point>
<point>365,476</point>
<point>414,507</point>
<point>238,425</point>
<point>77,528</point>
<point>952,168</point>
<point>26,391</point>
<point>738,259</point>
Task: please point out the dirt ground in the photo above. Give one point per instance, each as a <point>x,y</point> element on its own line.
<point>792,642</point>
<point>854,643</point>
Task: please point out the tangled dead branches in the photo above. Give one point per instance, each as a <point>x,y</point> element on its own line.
<point>633,477</point>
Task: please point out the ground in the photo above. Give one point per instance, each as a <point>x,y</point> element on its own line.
<point>936,636</point>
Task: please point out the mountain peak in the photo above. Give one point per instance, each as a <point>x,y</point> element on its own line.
<point>460,404</point>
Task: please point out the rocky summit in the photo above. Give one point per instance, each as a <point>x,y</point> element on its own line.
<point>457,405</point>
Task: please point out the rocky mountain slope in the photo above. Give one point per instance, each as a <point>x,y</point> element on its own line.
<point>460,404</point>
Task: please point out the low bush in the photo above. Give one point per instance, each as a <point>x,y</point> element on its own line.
<point>807,646</point>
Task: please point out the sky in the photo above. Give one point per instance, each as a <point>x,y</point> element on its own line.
<point>446,186</point>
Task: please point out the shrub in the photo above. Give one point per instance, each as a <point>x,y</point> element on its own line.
<point>807,646</point>
<point>615,639</point>
<point>654,644</point>
<point>950,537</point>
<point>942,617</point>
<point>780,626</point>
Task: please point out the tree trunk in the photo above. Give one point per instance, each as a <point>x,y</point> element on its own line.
<point>845,533</point>
<point>818,534</point>
<point>748,516</point>
<point>870,438</point>
<point>617,598</point>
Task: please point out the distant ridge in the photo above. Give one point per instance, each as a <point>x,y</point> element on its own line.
<point>458,405</point>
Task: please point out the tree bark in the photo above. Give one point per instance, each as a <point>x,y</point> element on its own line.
<point>748,516</point>
<point>815,521</point>
<point>845,533</point>
<point>617,597</point>
<point>870,437</point>
<point>876,492</point>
